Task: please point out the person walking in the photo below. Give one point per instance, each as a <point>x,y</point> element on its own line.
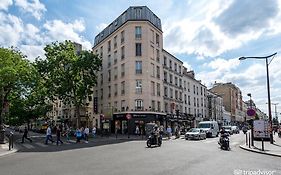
<point>49,135</point>
<point>78,135</point>
<point>25,133</point>
<point>86,134</point>
<point>58,132</point>
<point>94,130</point>
<point>137,132</point>
<point>169,131</point>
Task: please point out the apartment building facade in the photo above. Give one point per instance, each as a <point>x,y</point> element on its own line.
<point>232,99</point>
<point>214,107</point>
<point>139,81</point>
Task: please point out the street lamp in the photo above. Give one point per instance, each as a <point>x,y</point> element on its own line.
<point>268,88</point>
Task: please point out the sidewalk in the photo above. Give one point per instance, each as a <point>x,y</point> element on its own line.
<point>269,149</point>
<point>4,149</point>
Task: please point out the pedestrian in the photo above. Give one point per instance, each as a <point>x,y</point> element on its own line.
<point>94,130</point>
<point>58,135</point>
<point>67,132</point>
<point>169,131</point>
<point>86,134</point>
<point>137,132</point>
<point>83,133</point>
<point>25,133</point>
<point>49,135</point>
<point>78,135</point>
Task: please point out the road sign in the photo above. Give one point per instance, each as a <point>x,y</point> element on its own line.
<point>261,129</point>
<point>251,112</point>
<point>128,116</point>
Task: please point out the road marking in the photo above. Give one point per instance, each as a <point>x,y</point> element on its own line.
<point>41,144</point>
<point>28,146</point>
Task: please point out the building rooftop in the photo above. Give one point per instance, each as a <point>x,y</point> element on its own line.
<point>134,13</point>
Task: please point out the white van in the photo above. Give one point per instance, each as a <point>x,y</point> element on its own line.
<point>210,127</point>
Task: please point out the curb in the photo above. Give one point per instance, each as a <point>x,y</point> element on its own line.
<point>260,152</point>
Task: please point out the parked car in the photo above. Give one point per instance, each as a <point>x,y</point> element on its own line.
<point>228,129</point>
<point>235,129</point>
<point>195,133</point>
<point>211,128</point>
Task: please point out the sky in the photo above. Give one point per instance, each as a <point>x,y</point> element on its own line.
<point>208,36</point>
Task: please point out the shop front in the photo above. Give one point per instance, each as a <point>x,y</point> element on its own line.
<point>134,122</point>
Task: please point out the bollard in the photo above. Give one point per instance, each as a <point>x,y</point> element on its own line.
<point>262,145</point>
<point>246,139</point>
<point>249,140</point>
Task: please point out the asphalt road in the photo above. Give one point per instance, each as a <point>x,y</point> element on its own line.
<point>111,157</point>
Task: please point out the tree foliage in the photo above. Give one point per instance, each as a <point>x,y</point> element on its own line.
<point>68,75</point>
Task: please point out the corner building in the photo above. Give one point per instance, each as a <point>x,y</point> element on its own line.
<point>130,88</point>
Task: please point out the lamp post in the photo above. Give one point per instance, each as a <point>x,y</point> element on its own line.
<point>268,88</point>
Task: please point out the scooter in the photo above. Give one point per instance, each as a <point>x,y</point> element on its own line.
<point>224,142</point>
<point>152,141</point>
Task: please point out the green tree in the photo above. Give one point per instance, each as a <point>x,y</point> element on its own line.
<point>15,75</point>
<point>68,75</point>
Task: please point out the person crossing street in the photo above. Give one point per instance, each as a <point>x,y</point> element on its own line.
<point>25,133</point>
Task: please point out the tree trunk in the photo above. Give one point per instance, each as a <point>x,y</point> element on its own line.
<point>77,113</point>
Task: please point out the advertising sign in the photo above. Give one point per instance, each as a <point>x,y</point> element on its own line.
<point>261,129</point>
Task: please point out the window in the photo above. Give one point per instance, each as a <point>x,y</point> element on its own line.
<point>170,64</point>
<point>166,107</point>
<point>176,66</point>
<point>176,80</point>
<point>157,40</point>
<point>109,75</point>
<point>165,76</point>
<point>101,51</point>
<point>109,61</point>
<point>180,69</point>
<point>171,93</point>
<point>122,87</point>
<point>115,89</point>
<point>152,52</point>
<point>123,105</point>
<point>165,61</point>
<point>101,93</point>
<point>152,88</point>
<point>158,72</point>
<point>123,70</point>
<point>115,42</point>
<point>197,89</point>
<point>138,67</point>
<point>115,57</point>
<point>115,106</point>
<point>171,78</point>
<point>109,45</point>
<point>194,89</point>
<point>180,97</point>
<point>157,55</point>
<point>152,70</point>
<point>122,52</point>
<point>185,100</point>
<point>122,37</point>
<point>180,82</point>
<point>109,91</point>
<point>138,86</point>
<point>138,32</point>
<point>176,94</point>
<point>201,90</point>
<point>158,89</point>
<point>139,104</point>
<point>138,49</point>
<point>194,101</point>
<point>188,100</point>
<point>152,36</point>
<point>115,73</point>
<point>165,91</point>
<point>158,106</point>
<point>188,86</point>
<point>101,79</point>
<point>153,105</point>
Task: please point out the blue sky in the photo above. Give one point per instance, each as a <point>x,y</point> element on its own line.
<point>208,36</point>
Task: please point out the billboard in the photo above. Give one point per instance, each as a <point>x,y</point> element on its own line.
<point>261,129</point>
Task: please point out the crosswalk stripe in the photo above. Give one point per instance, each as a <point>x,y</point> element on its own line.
<point>41,144</point>
<point>28,146</point>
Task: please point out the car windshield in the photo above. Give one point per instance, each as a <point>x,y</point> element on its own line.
<point>204,125</point>
<point>194,130</point>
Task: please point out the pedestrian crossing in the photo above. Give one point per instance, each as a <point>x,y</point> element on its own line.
<point>40,144</point>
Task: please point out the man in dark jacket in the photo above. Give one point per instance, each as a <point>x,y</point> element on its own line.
<point>25,133</point>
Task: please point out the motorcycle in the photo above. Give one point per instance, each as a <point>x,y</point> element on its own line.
<point>224,142</point>
<point>152,140</point>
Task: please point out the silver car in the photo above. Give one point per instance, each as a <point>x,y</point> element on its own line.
<point>195,133</point>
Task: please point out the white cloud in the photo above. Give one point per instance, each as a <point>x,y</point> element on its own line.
<point>57,30</point>
<point>101,26</point>
<point>204,30</point>
<point>187,65</point>
<point>224,65</point>
<point>4,5</point>
<point>11,28</point>
<point>32,51</point>
<point>35,7</point>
